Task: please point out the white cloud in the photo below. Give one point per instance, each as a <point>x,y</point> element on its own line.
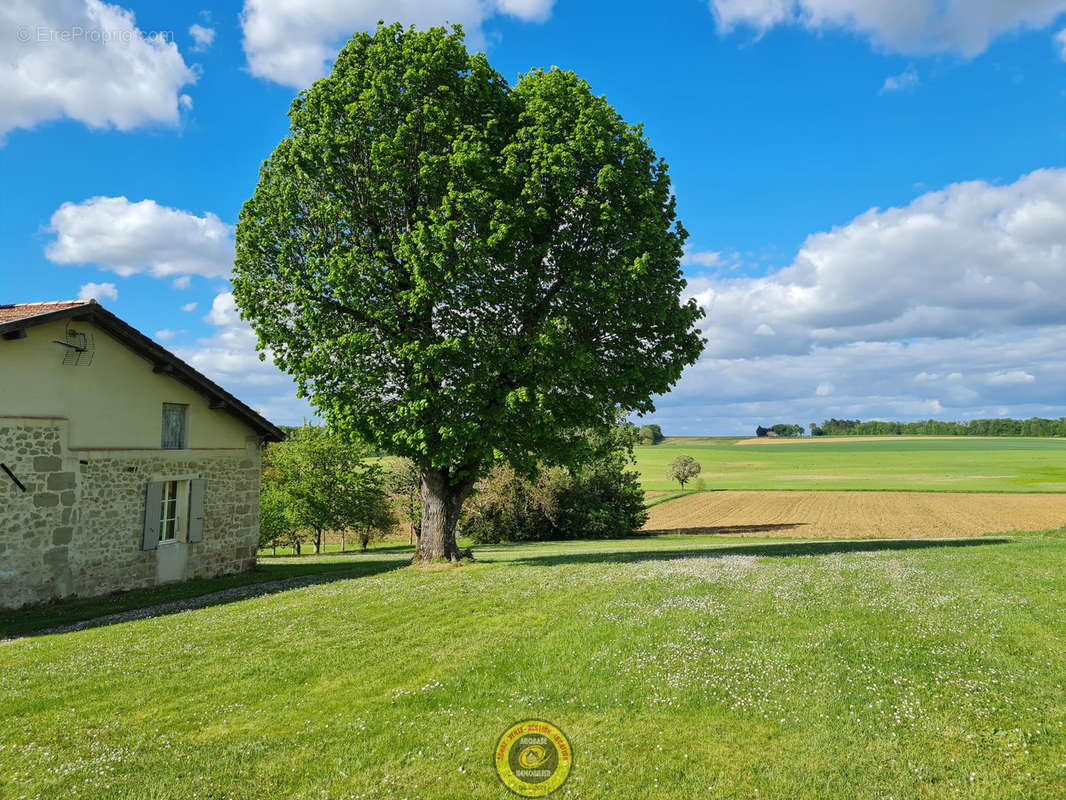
<point>203,36</point>
<point>183,282</point>
<point>228,356</point>
<point>905,81</point>
<point>124,237</point>
<point>189,307</point>
<point>87,61</point>
<point>98,291</point>
<point>1060,43</point>
<point>700,258</point>
<point>1009,378</point>
<point>902,26</point>
<point>950,306</point>
<point>167,334</point>
<point>971,258</point>
<point>292,44</point>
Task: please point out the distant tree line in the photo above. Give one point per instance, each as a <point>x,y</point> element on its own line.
<point>1035,426</point>
<point>780,429</point>
<point>649,434</point>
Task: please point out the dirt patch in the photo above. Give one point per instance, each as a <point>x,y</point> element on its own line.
<point>858,515</point>
<point>813,439</point>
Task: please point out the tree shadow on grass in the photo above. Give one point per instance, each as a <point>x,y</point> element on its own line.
<point>66,616</point>
<point>773,550</point>
<point>723,530</point>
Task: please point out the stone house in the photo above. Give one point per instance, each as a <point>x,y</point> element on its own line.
<point>121,466</point>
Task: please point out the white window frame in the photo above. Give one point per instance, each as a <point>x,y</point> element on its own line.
<point>174,512</point>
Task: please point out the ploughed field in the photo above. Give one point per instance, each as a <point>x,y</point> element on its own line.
<point>953,464</point>
<point>857,515</point>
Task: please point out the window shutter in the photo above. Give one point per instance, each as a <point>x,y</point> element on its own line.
<point>153,499</point>
<point>196,509</point>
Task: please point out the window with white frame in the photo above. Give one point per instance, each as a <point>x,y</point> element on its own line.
<point>175,426</point>
<point>174,511</point>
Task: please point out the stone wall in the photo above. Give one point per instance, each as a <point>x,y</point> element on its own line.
<point>77,529</point>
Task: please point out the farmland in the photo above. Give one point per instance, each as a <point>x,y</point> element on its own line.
<point>679,666</point>
<point>891,464</point>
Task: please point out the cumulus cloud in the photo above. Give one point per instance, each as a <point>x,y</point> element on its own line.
<point>189,307</point>
<point>1060,43</point>
<point>287,43</point>
<point>88,61</point>
<point>228,356</point>
<point>203,36</point>
<point>950,306</point>
<point>902,26</point>
<point>98,291</point>
<point>126,237</point>
<point>167,334</point>
<point>971,258</point>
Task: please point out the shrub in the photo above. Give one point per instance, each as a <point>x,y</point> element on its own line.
<point>600,500</point>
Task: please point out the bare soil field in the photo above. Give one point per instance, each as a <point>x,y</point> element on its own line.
<point>857,515</point>
<point>813,439</point>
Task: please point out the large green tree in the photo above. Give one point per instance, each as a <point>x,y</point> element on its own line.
<point>461,271</point>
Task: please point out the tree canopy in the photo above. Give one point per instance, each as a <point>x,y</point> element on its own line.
<point>316,481</point>
<point>461,271</point>
<point>683,469</point>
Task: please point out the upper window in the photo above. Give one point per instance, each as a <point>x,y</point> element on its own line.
<point>175,426</point>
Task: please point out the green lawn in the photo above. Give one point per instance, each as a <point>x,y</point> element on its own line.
<point>680,667</point>
<point>949,465</point>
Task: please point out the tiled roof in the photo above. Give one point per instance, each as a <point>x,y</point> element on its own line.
<point>17,311</point>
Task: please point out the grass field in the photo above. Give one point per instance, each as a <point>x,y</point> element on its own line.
<point>890,464</point>
<point>680,667</point>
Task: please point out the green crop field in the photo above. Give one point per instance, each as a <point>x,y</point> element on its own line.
<point>679,667</point>
<point>948,465</point>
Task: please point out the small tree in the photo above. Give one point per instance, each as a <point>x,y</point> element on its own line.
<point>374,516</point>
<point>275,522</point>
<point>683,469</point>
<point>404,484</point>
<point>326,481</point>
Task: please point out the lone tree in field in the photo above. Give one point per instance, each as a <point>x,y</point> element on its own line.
<point>460,271</point>
<point>683,469</point>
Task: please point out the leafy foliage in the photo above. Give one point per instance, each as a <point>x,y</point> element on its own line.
<point>780,429</point>
<point>316,481</point>
<point>602,499</point>
<point>650,434</point>
<point>460,271</point>
<point>683,469</point>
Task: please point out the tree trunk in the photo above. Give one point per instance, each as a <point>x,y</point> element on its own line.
<point>442,500</point>
<point>342,541</point>
<point>318,542</point>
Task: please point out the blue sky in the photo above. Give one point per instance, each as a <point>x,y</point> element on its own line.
<point>876,199</point>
